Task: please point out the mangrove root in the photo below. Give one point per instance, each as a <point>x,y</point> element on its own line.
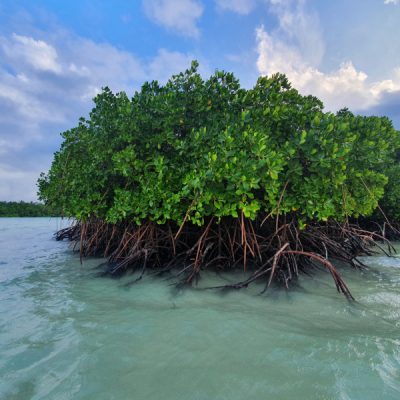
<point>267,250</point>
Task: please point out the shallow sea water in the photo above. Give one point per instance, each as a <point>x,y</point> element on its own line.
<point>66,333</point>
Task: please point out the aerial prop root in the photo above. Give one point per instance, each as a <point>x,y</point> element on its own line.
<point>264,249</point>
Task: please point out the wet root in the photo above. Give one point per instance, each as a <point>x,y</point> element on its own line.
<point>268,250</point>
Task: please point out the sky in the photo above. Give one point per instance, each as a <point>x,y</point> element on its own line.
<point>56,55</point>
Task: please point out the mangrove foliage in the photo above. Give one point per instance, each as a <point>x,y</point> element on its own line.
<point>199,174</point>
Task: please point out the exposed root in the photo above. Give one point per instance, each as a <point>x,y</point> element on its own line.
<point>263,248</point>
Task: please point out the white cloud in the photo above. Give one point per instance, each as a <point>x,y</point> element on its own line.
<point>176,15</point>
<point>100,64</point>
<point>243,7</point>
<point>83,67</point>
<point>300,27</point>
<point>285,51</point>
<point>391,1</point>
<point>39,99</point>
<point>36,53</point>
<point>16,90</point>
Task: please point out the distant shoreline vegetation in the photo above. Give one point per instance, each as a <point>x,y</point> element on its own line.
<point>27,209</point>
<point>198,174</point>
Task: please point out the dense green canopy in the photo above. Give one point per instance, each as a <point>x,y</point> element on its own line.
<point>195,148</point>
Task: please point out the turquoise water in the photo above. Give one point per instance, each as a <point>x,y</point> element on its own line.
<point>66,333</point>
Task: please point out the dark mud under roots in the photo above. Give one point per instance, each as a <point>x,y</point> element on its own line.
<point>271,250</point>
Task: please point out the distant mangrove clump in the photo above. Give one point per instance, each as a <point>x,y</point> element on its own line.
<point>198,174</point>
<point>26,209</point>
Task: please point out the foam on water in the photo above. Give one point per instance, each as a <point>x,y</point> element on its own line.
<point>66,333</point>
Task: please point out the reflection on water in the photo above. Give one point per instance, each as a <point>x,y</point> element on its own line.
<point>66,333</point>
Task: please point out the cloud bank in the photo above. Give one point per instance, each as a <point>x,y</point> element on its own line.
<point>46,85</point>
<point>285,50</point>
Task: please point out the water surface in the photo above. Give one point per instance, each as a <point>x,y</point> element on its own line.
<point>66,333</point>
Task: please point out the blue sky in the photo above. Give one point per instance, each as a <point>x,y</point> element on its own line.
<point>56,55</point>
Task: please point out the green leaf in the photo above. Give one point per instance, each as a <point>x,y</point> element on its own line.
<point>303,137</point>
